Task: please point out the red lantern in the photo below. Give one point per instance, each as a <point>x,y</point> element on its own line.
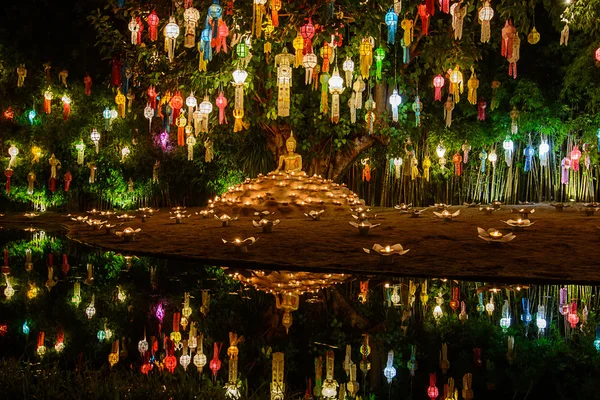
<point>575,156</point>
<point>152,97</point>
<point>153,26</point>
<point>215,363</point>
<point>68,179</point>
<point>481,105</point>
<point>115,75</point>
<point>457,160</point>
<point>65,265</point>
<point>432,390</point>
<point>445,6</point>
<point>5,267</point>
<point>3,329</point>
<point>598,54</point>
<point>8,173</point>
<point>170,360</point>
<point>221,104</point>
<point>140,25</point>
<point>438,83</point>
<point>422,10</point>
<point>66,107</point>
<point>176,103</point>
<point>87,81</point>
<point>573,317</point>
<point>455,302</point>
<point>9,114</point>
<point>60,339</point>
<point>307,32</point>
<point>430,4</point>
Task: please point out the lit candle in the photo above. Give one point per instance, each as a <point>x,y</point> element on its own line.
<point>496,234</point>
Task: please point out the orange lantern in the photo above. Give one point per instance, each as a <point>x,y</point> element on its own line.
<point>176,103</point>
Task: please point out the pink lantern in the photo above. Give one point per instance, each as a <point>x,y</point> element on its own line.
<point>575,156</point>
<point>438,83</point>
<point>432,390</point>
<point>598,54</point>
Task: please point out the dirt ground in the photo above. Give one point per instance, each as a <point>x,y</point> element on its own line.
<point>559,247</point>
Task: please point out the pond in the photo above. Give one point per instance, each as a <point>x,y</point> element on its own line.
<point>76,321</point>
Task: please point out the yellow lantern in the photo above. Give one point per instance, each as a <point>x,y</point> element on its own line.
<point>298,44</point>
<point>472,85</point>
<point>366,57</point>
<point>37,152</point>
<point>120,100</point>
<point>283,63</point>
<point>456,80</point>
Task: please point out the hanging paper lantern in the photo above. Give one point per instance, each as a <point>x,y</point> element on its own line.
<point>493,157</point>
<point>324,80</point>
<point>336,88</point>
<point>298,44</point>
<point>472,86</point>
<point>327,55</point>
<point>432,390</point>
<point>307,32</point>
<point>526,316</point>
<point>481,106</point>
<point>417,107</point>
<point>534,36</point>
<point>543,153</point>
<point>134,28</point>
<point>309,61</point>
<point>190,17</point>
<point>239,78</point>
<point>379,57</point>
<point>12,152</point>
<point>391,20</point>
<point>424,15</point>
<point>448,107</point>
<point>153,26</point>
<point>514,57</point>
<point>40,349</point>
<point>48,101</point>
<point>395,101</point>
<point>506,319</point>
<point>21,75</point>
<point>457,160</point>
<point>181,122</point>
<point>575,156</point>
<point>458,15</point>
<point>120,100</point>
<point>176,103</point>
<point>348,67</point>
<point>215,363</point>
<point>456,80</point>
<point>205,108</point>
<point>486,13</point>
<point>508,146</point>
<point>438,83</point>
<point>283,62</point>
<point>95,137</point>
<point>221,103</point>
<point>366,57</point>
<point>171,34</point>
<point>529,153</point>
<point>369,114</point>
<point>90,311</point>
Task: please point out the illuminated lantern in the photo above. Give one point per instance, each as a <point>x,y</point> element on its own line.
<point>391,20</point>
<point>370,114</point>
<point>283,63</point>
<point>9,291</point>
<point>21,75</point>
<point>540,320</point>
<point>330,385</point>
<point>215,363</point>
<point>466,148</point>
<point>25,328</point>
<point>506,319</point>
<point>125,152</point>
<point>457,160</point>
<point>458,15</point>
<point>107,114</point>
<point>426,166</point>
<point>526,316</point>
<point>309,61</point>
<point>348,67</point>
<point>448,107</point>
<point>514,56</point>
<point>437,311</point>
<point>389,371</point>
<point>221,41</point>
<point>80,147</point>
<point>239,78</point>
<point>472,85</point>
<point>298,44</point>
<point>424,15</point>
<point>171,34</point>
<point>176,103</point>
<point>200,359</point>
<point>438,83</point>
<point>149,114</point>
<point>441,152</point>
<point>324,79</point>
<point>508,36</point>
<point>277,384</point>
<point>336,88</point>
<point>407,25</point>
<point>191,102</point>
<point>508,146</point>
<point>417,108</point>
<point>191,17</point>
<point>54,165</point>
<point>493,157</point>
<point>181,123</point>
<point>307,32</point>
<point>259,8</point>
<point>40,349</point>
<point>455,302</point>
<point>87,82</point>
<point>176,335</point>
<point>432,390</point>
<point>486,13</point>
<point>185,358</point>
<point>134,28</point>
<point>76,298</point>
<point>481,105</point>
<point>68,178</point>
<point>565,166</point>
<point>467,391</point>
<point>113,356</point>
<point>528,152</point>
<point>31,116</point>
<point>573,318</point>
<point>490,307</point>
<point>66,106</point>
<point>483,157</point>
<point>543,153</point>
<point>60,340</point>
<point>9,114</point>
<point>463,316</point>
<point>221,103</point>
<point>120,100</point>
<point>575,157</point>
<point>366,57</point>
<point>534,36</point>
<point>48,101</point>
<point>379,57</point>
<point>12,152</point>
<point>456,81</point>
<point>90,311</point>
<point>395,101</point>
<point>95,137</point>
<point>326,54</point>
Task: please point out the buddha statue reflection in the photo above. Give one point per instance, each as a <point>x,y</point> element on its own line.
<point>291,160</point>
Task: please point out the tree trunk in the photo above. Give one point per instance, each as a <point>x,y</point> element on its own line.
<point>343,158</point>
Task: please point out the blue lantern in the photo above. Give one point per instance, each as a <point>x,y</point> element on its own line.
<point>31,115</point>
<point>526,316</point>
<point>205,38</point>
<point>214,13</point>
<point>391,20</point>
<point>25,328</point>
<point>529,152</point>
<point>483,157</point>
<point>107,114</point>
<point>597,341</point>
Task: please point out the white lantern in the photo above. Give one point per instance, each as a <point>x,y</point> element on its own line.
<point>395,101</point>
<point>440,150</point>
<point>90,311</point>
<point>309,61</point>
<point>95,136</point>
<point>493,157</point>
<point>348,67</point>
<point>508,146</point>
<point>191,102</point>
<point>336,87</point>
<point>134,28</point>
<point>12,152</point>
<point>205,108</point>
<point>171,34</point>
<point>149,114</point>
<point>541,318</point>
<point>239,76</point>
<point>390,372</point>
<point>125,152</point>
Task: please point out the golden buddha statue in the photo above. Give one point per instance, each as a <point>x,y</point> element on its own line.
<point>292,160</point>
<point>289,302</point>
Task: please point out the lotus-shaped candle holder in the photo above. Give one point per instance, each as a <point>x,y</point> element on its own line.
<point>80,219</point>
<point>441,206</point>
<point>497,204</point>
<point>265,224</point>
<point>519,224</point>
<point>96,223</point>
<point>471,205</point>
<point>364,227</point>
<point>360,210</point>
<point>589,211</point>
<point>403,208</point>
<point>446,215</point>
<point>315,215</point>
<point>179,216</point>
<point>178,209</point>
<point>31,215</point>
<point>111,228</point>
<point>524,212</point>
<point>560,206</point>
<point>487,210</point>
<point>225,219</point>
<point>239,245</point>
<point>107,213</point>
<point>93,211</point>
<point>264,214</point>
<point>128,234</point>
<point>414,213</point>
<point>387,254</point>
<point>494,236</point>
<point>205,213</point>
<point>126,217</point>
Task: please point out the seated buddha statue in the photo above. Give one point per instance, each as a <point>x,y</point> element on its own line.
<point>292,160</point>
